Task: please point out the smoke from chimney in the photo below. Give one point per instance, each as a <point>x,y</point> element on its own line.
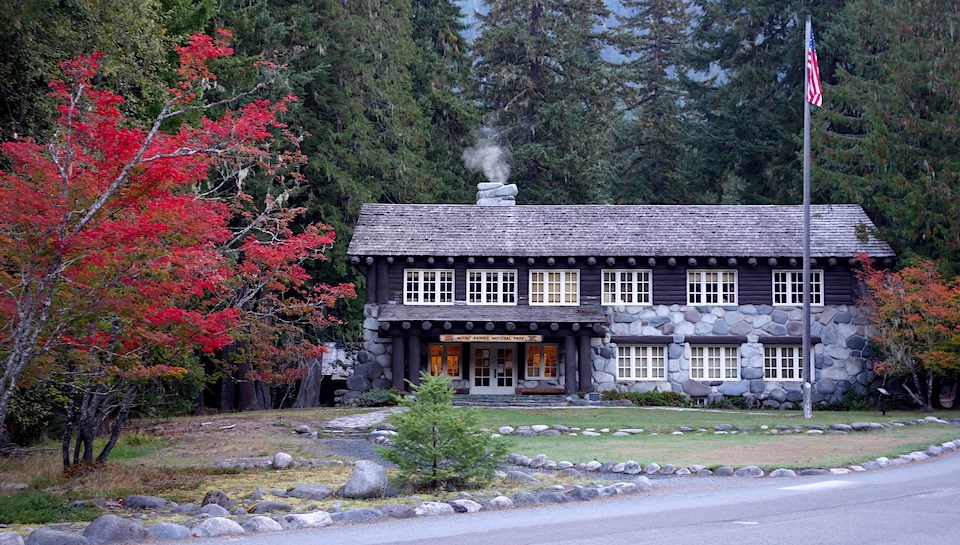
<point>490,158</point>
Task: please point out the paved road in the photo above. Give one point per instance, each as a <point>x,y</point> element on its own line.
<point>914,504</point>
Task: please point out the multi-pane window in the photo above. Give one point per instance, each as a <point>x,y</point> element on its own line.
<point>788,287</point>
<point>641,362</point>
<point>428,287</point>
<point>714,362</point>
<point>445,360</point>
<point>555,287</point>
<point>627,287</point>
<point>542,361</point>
<point>712,287</point>
<point>783,363</point>
<point>489,287</point>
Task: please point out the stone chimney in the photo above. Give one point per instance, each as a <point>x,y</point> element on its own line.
<point>496,194</point>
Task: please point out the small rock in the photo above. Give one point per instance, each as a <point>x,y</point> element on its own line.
<point>520,477</point>
<point>505,430</point>
<point>282,460</point>
<point>434,508</point>
<point>316,519</point>
<point>363,514</point>
<point>524,498</point>
<point>271,506</point>
<point>814,471</point>
<point>552,497</point>
<point>185,509</point>
<point>214,510</point>
<point>538,461</point>
<point>113,529</point>
<point>309,491</point>
<point>724,471</point>
<point>749,471</point>
<point>682,471</point>
<point>256,525</point>
<point>632,468</point>
<point>583,494</point>
<point>539,428</point>
<point>668,469</point>
<point>592,465</point>
<point>303,429</point>
<point>10,538</point>
<point>723,427</point>
<point>49,536</point>
<point>168,531</point>
<point>217,527</point>
<point>499,502</point>
<point>651,469</point>
<point>465,506</point>
<point>776,473</point>
<point>144,502</point>
<point>398,511</point>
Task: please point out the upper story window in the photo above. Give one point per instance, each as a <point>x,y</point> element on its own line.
<point>542,360</point>
<point>715,362</point>
<point>445,360</point>
<point>627,287</point>
<point>428,287</point>
<point>783,363</point>
<point>554,287</point>
<point>711,287</point>
<point>788,287</point>
<point>491,287</point>
<point>641,362</point>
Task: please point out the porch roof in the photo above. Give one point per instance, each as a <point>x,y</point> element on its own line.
<point>495,314</point>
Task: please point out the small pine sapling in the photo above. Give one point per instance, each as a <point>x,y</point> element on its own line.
<point>441,447</point>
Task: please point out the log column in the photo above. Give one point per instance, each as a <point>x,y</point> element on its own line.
<point>585,364</point>
<point>397,361</point>
<point>383,281</point>
<point>570,365</point>
<point>413,361</point>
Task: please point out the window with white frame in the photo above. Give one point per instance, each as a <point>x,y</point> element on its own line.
<point>445,360</point>
<point>542,361</point>
<point>711,287</point>
<point>715,362</point>
<point>788,287</point>
<point>548,287</point>
<point>641,362</point>
<point>428,287</point>
<point>783,363</point>
<point>491,287</point>
<point>627,287</point>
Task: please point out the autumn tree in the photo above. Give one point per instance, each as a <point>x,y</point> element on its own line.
<point>121,252</point>
<point>915,314</point>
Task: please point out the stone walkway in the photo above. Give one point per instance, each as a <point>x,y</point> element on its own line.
<point>361,422</point>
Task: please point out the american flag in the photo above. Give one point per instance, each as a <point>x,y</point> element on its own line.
<point>814,91</point>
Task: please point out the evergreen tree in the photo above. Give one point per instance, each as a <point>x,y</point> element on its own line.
<point>542,83</point>
<point>891,140</point>
<point>650,146</point>
<point>747,89</point>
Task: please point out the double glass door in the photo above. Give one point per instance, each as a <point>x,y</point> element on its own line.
<point>494,369</point>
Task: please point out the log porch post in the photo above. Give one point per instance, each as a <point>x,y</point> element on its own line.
<point>397,361</point>
<point>585,364</point>
<point>570,365</point>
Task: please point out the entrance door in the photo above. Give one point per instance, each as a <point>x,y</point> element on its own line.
<point>493,369</point>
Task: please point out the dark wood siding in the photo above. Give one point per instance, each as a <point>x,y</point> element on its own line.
<point>755,284</point>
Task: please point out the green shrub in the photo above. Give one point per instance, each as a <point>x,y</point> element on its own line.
<point>378,397</point>
<point>650,399</point>
<point>36,414</point>
<point>32,507</point>
<point>733,402</point>
<point>851,401</point>
<point>440,447</point>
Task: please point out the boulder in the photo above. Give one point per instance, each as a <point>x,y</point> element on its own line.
<point>724,471</point>
<point>499,502</point>
<point>168,531</point>
<point>257,525</point>
<point>10,538</point>
<point>433,508</point>
<point>316,519</point>
<point>307,491</point>
<point>113,529</point>
<point>524,498</point>
<point>583,494</point>
<point>217,527</point>
<point>185,509</point>
<point>398,511</point>
<point>271,506</point>
<point>49,536</point>
<point>552,496</point>
<point>144,502</point>
<point>282,460</point>
<point>776,473</point>
<point>538,461</point>
<point>369,480</point>
<point>651,469</point>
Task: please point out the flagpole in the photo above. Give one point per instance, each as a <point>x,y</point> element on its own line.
<point>807,360</point>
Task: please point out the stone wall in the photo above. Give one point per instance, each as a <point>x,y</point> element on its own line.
<point>841,360</point>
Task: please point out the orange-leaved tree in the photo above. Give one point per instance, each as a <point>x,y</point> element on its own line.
<point>120,249</point>
<point>915,314</point>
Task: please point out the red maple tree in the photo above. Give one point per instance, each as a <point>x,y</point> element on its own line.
<point>120,246</point>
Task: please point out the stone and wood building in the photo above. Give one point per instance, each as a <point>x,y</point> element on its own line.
<point>704,300</point>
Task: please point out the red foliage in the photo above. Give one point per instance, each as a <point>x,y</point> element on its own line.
<point>107,245</point>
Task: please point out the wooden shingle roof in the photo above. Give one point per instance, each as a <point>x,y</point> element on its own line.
<point>840,230</point>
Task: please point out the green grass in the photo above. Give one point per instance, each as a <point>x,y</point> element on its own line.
<point>131,447</point>
<point>661,419</point>
<point>32,507</point>
<point>769,451</point>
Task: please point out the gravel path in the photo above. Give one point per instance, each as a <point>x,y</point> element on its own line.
<point>356,449</point>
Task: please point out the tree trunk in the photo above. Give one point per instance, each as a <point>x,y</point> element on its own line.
<point>309,393</point>
<point>226,394</point>
<point>129,396</point>
<point>246,397</point>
